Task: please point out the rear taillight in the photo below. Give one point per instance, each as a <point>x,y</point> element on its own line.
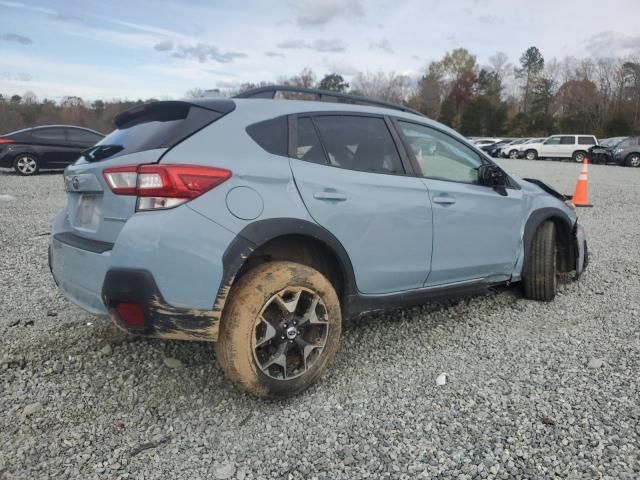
<point>163,186</point>
<point>6,140</point>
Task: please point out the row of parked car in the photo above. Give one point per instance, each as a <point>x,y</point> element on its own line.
<point>52,146</point>
<point>618,150</point>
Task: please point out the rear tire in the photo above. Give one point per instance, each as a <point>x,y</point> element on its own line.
<point>26,164</point>
<point>541,279</point>
<point>280,329</point>
<point>633,160</point>
<point>579,156</point>
<point>513,154</point>
<point>531,155</point>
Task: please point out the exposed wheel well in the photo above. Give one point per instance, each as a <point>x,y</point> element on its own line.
<point>304,250</point>
<point>564,245</point>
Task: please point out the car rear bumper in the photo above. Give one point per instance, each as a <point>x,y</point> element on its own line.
<point>168,263</point>
<point>79,273</point>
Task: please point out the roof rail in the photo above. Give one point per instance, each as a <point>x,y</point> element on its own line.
<point>323,96</point>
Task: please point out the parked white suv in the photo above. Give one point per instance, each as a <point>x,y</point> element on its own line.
<point>560,146</point>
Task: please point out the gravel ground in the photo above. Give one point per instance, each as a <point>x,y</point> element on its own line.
<point>533,390</point>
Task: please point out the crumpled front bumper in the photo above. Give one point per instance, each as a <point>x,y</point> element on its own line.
<point>582,253</point>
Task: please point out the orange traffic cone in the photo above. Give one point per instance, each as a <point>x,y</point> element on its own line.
<point>581,195</point>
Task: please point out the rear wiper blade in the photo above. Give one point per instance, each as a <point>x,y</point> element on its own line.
<point>100,152</point>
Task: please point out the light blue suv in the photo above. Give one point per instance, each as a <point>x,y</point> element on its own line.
<point>260,223</point>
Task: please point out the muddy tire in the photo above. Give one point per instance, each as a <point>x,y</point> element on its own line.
<point>541,279</point>
<point>280,329</point>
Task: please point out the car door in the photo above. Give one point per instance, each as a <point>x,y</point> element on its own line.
<point>550,147</point>
<point>567,146</point>
<point>476,228</point>
<point>352,180</point>
<point>52,146</point>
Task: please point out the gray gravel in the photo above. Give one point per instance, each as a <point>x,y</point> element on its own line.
<point>533,390</point>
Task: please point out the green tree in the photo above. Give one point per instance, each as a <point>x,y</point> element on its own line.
<point>532,63</point>
<point>333,82</point>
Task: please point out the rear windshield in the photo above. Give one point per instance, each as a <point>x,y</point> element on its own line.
<point>150,126</point>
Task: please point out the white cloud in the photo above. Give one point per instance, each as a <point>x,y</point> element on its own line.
<point>320,12</point>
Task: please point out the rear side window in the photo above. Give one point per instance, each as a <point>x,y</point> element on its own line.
<point>77,135</point>
<point>272,135</point>
<point>49,135</point>
<point>567,140</point>
<point>308,147</point>
<point>150,126</point>
<point>359,143</point>
<point>586,141</point>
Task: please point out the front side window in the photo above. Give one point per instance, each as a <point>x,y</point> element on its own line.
<point>441,156</point>
<point>567,140</point>
<point>359,143</point>
<point>553,141</point>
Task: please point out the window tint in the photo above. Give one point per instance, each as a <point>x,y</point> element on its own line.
<point>359,143</point>
<point>84,137</point>
<point>272,135</point>
<point>440,156</point>
<point>586,141</point>
<point>308,147</point>
<point>49,135</point>
<point>553,141</point>
<point>567,140</point>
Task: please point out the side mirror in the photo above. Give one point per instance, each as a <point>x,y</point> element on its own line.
<point>492,176</point>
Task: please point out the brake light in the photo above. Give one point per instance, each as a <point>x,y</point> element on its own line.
<point>163,186</point>
<point>6,140</point>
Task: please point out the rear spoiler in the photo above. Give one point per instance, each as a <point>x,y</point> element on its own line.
<point>165,111</point>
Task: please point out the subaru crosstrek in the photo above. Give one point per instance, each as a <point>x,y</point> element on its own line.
<point>261,224</point>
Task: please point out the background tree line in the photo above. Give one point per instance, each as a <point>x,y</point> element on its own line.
<point>533,98</point>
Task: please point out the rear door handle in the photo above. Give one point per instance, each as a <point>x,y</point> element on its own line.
<point>444,200</point>
<point>325,195</point>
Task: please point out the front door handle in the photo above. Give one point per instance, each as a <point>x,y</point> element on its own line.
<point>444,200</point>
<point>327,195</point>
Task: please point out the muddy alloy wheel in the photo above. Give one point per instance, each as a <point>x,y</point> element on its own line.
<point>291,334</point>
<point>633,160</point>
<point>280,329</point>
<point>26,165</point>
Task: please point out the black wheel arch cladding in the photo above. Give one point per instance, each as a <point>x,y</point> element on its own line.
<point>259,233</point>
<point>564,230</point>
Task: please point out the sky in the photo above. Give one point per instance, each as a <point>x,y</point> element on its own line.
<point>129,49</point>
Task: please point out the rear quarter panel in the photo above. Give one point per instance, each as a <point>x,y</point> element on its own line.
<point>261,186</point>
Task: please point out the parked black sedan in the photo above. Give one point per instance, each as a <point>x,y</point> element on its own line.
<point>51,146</point>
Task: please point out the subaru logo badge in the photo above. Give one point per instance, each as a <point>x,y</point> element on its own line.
<point>75,182</point>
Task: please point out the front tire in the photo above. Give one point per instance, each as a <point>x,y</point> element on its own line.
<point>26,164</point>
<point>633,160</point>
<point>280,329</point>
<point>531,155</point>
<point>541,279</point>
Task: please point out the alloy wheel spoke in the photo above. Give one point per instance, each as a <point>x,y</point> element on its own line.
<point>288,305</point>
<point>269,333</point>
<point>305,349</point>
